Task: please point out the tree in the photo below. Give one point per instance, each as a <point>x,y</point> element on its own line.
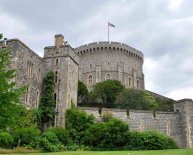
<point>107,91</point>
<point>10,95</point>
<point>136,99</point>
<point>47,102</point>
<point>82,92</point>
<point>77,122</point>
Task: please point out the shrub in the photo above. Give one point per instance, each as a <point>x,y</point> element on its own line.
<point>50,142</point>
<point>51,137</point>
<point>111,134</point>
<point>62,134</point>
<point>77,122</point>
<point>150,140</point>
<point>50,147</point>
<point>107,116</point>
<point>27,137</point>
<point>6,140</point>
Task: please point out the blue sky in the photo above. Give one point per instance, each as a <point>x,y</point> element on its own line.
<point>161,29</point>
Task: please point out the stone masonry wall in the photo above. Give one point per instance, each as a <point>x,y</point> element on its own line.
<point>112,60</point>
<point>169,123</point>
<point>33,77</point>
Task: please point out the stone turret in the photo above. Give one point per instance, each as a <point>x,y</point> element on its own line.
<point>59,40</point>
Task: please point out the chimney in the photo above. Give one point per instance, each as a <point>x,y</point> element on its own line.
<point>59,40</point>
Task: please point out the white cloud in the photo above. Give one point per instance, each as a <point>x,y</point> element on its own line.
<point>185,92</point>
<point>173,4</point>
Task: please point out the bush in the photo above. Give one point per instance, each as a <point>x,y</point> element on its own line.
<point>51,137</point>
<point>111,134</point>
<point>6,140</point>
<point>27,137</point>
<point>50,142</point>
<point>50,147</point>
<point>149,140</point>
<point>62,134</point>
<point>107,116</point>
<point>77,122</point>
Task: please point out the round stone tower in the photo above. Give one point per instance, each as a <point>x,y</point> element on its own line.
<point>101,61</point>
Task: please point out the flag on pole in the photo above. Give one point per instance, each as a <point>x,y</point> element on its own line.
<point>110,24</point>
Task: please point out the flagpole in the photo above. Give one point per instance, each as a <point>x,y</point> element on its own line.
<point>108,32</point>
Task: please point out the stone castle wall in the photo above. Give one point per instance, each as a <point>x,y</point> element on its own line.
<point>177,124</point>
<point>29,71</point>
<point>110,60</point>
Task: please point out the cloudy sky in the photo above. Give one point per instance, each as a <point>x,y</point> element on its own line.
<point>161,29</point>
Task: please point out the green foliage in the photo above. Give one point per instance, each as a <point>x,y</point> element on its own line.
<point>27,137</point>
<point>50,142</point>
<point>1,36</point>
<point>107,91</point>
<point>51,137</point>
<point>149,140</point>
<point>28,118</point>
<point>165,105</point>
<point>49,147</point>
<point>6,140</point>
<point>10,95</point>
<point>82,92</point>
<point>136,99</point>
<point>47,103</point>
<point>107,116</point>
<point>77,122</point>
<point>62,134</point>
<point>109,134</point>
<point>75,147</point>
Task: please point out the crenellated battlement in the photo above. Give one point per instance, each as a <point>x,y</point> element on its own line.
<point>116,46</point>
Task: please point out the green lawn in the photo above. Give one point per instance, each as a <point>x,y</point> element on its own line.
<point>162,152</point>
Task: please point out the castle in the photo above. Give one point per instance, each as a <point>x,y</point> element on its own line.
<point>93,63</point>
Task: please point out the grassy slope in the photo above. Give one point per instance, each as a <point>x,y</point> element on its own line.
<point>162,152</point>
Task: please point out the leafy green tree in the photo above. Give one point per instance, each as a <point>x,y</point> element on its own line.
<point>136,99</point>
<point>77,122</point>
<point>10,95</point>
<point>107,91</point>
<point>47,103</point>
<point>82,92</point>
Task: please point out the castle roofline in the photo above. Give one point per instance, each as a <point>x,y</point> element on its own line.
<point>106,43</point>
<point>18,40</point>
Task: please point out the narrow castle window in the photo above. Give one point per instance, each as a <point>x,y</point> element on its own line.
<point>129,82</point>
<point>90,66</point>
<point>137,84</point>
<point>90,79</point>
<point>27,97</point>
<point>29,67</point>
<point>56,62</point>
<point>55,98</point>
<point>56,77</point>
<point>37,98</point>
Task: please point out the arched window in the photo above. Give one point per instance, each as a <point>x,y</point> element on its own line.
<point>108,77</point>
<point>137,84</point>
<point>90,79</point>
<point>129,81</point>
